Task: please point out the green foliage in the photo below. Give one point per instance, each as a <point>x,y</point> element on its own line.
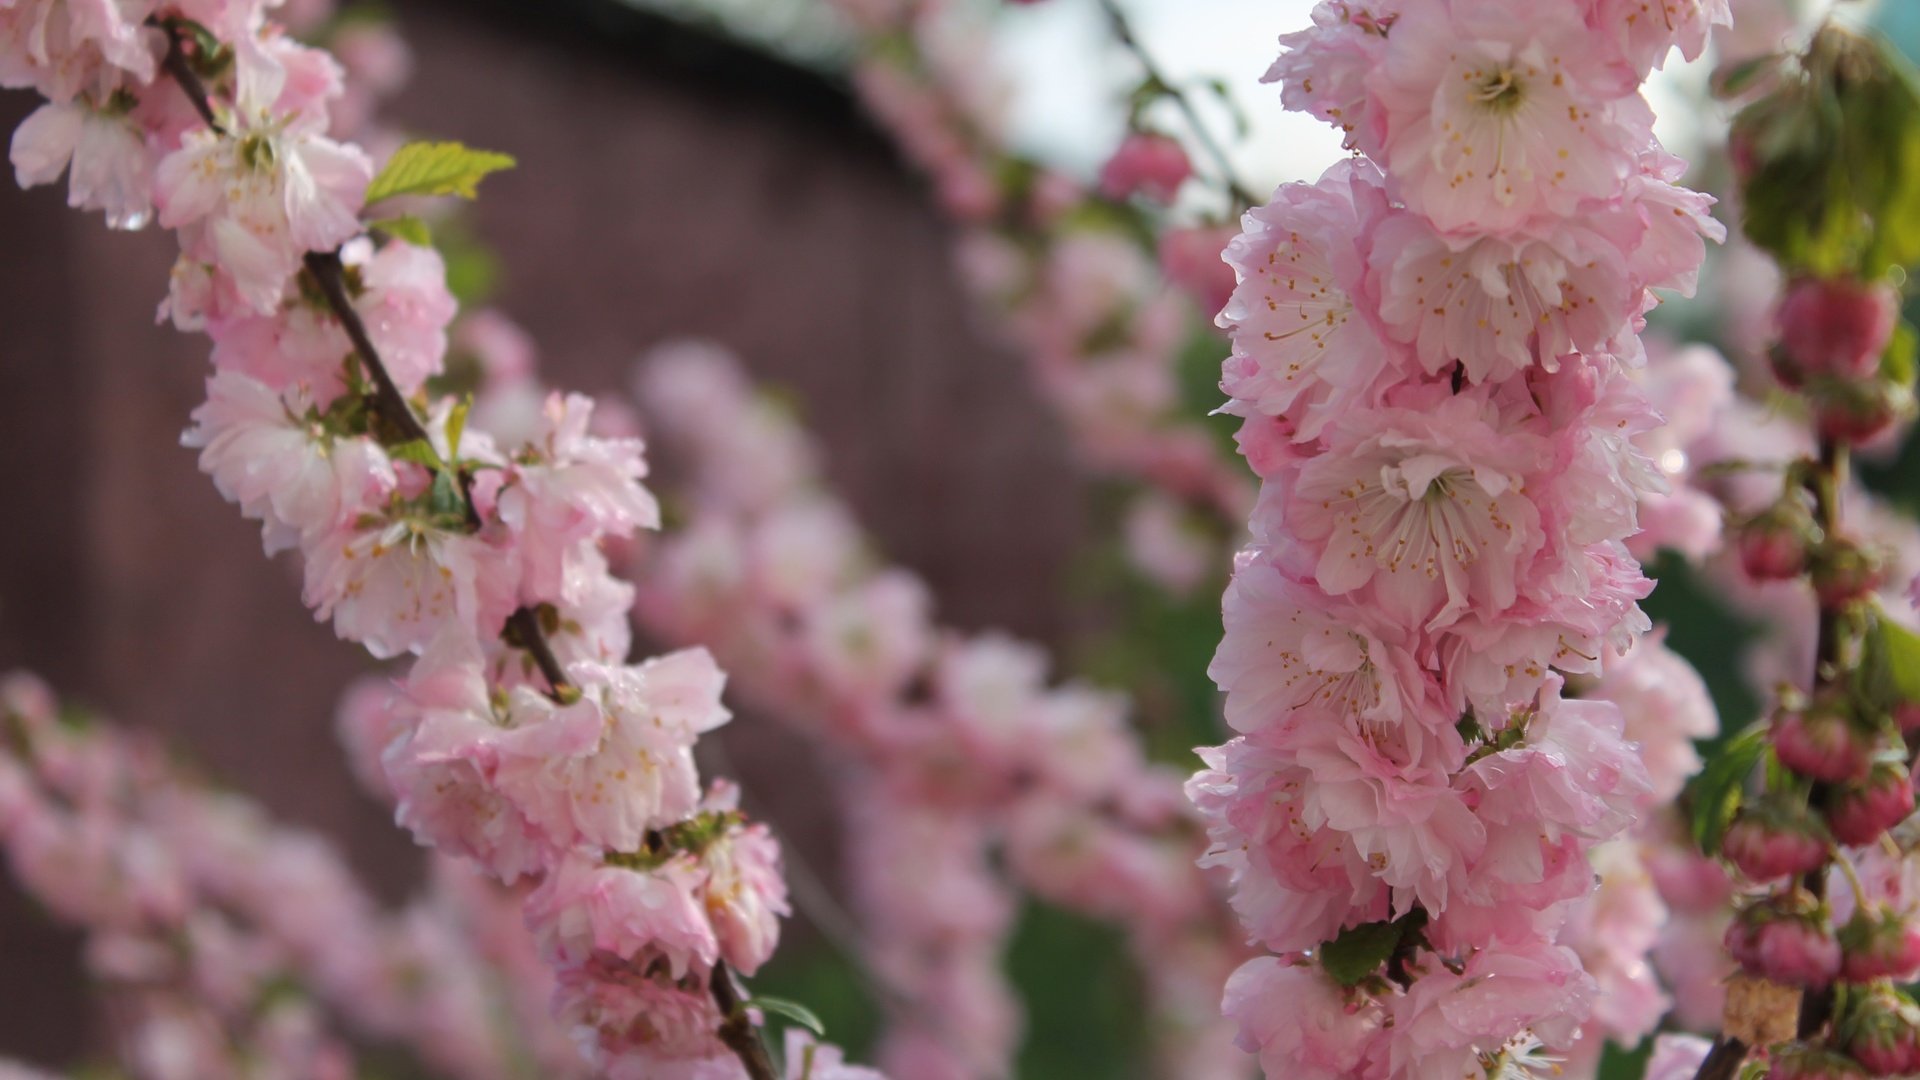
<point>832,987</point>
<point>1083,999</point>
<point>1893,654</point>
<point>1360,950</point>
<point>405,227</point>
<point>790,1010</point>
<point>1833,158</point>
<point>436,168</point>
<point>1715,795</point>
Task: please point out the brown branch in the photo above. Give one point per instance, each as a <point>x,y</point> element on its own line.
<point>737,1029</point>
<point>1123,30</point>
<point>181,71</point>
<point>1724,1060</point>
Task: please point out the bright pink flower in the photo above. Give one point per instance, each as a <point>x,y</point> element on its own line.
<point>1498,112</point>
<point>1447,1020</point>
<point>1300,1023</point>
<point>111,167</point>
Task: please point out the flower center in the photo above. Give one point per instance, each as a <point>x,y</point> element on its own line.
<point>1499,92</point>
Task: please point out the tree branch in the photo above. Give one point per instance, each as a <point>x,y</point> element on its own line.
<point>737,1029</point>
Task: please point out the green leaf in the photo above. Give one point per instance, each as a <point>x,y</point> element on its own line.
<point>418,451</point>
<point>435,168</point>
<point>457,425</point>
<point>792,1010</point>
<point>405,227</point>
<point>1901,647</point>
<point>445,498</point>
<point>1360,950</point>
<point>1717,792</point>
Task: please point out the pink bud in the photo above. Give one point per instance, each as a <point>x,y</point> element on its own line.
<point>1837,327</point>
<point>1768,841</point>
<point>1796,951</point>
<point>1845,571</point>
<point>1146,164</point>
<point>1820,741</point>
<point>1858,412</point>
<point>1883,1033</point>
<point>1773,545</point>
<point>1800,1061</point>
<point>1907,715</point>
<point>1880,943</point>
<point>1859,813</point>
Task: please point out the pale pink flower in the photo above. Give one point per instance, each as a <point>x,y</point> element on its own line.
<point>1498,112</point>
<point>106,153</point>
<point>254,200</point>
<point>866,643</point>
<point>1298,318</point>
<point>1447,1019</point>
<point>1300,1023</point>
<point>1162,544</point>
<point>1146,164</point>
<point>1422,504</point>
<point>1497,305</point>
<point>270,453</point>
<point>1323,71</point>
<point>810,1060</point>
<point>62,48</point>
<point>1677,1057</point>
<point>1645,31</point>
<point>630,1026</point>
<point>568,487</point>
<point>406,308</point>
<point>745,895</point>
<point>1289,646</point>
<point>586,906</point>
<point>393,581</point>
<point>618,762</point>
<point>1666,706</point>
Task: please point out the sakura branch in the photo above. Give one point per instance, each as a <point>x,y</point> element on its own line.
<point>1430,356</point>
<point>520,739</point>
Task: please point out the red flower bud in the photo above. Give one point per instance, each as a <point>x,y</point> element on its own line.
<point>1859,813</point>
<point>1801,1061</point>
<point>1146,164</point>
<point>1882,1033</point>
<point>1773,545</point>
<point>1837,327</point>
<point>1879,943</point>
<point>1845,571</point>
<point>1858,412</point>
<point>1786,938</point>
<point>1822,741</point>
<point>1775,838</point>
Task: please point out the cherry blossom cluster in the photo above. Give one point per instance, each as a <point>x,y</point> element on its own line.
<point>1431,357</point>
<point>951,750</point>
<point>521,739</point>
<point>1060,262</point>
<point>229,946</point>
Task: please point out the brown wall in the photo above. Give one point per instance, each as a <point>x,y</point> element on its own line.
<point>646,206</point>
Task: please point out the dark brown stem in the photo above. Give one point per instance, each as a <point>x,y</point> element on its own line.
<point>523,629</point>
<point>176,66</point>
<point>1724,1060</point>
<point>736,1026</point>
<point>1123,30</point>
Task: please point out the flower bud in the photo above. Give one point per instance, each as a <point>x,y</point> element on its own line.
<point>1146,164</point>
<point>1774,838</point>
<point>1880,943</point>
<point>1882,1033</point>
<point>1822,741</point>
<point>1773,545</point>
<point>1835,327</point>
<point>1786,939</point>
<point>1845,570</point>
<point>1859,813</point>
<point>1858,412</point>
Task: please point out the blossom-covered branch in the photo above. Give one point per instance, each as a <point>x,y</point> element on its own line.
<point>1430,348</point>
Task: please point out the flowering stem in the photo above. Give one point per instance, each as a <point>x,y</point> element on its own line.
<point>184,76</point>
<point>1242,197</point>
<point>737,1029</point>
<point>328,272</point>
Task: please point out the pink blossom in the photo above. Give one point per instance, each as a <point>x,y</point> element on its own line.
<point>1677,1057</point>
<point>1499,304</point>
<point>1191,260</point>
<point>585,906</point>
<point>111,168</point>
<point>745,895</point>
<point>1422,501</point>
<point>1446,1020</point>
<point>1300,301</point>
<point>1300,1023</point>
<point>256,199</point>
<point>393,581</point>
<point>1323,71</point>
<point>62,49</point>
<point>1644,39</point>
<point>1146,164</point>
<point>1497,112</point>
<point>1666,706</point>
<point>406,307</point>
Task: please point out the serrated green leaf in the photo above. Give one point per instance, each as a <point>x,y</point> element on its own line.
<point>405,227</point>
<point>1718,790</point>
<point>418,451</point>
<point>1360,950</point>
<point>436,168</point>
<point>792,1010</point>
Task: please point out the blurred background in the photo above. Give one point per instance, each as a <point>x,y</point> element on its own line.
<point>687,168</point>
